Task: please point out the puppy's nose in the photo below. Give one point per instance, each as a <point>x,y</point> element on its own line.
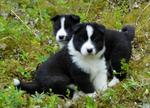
<point>61,37</point>
<point>90,50</point>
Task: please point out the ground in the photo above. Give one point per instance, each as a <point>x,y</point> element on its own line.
<point>26,39</point>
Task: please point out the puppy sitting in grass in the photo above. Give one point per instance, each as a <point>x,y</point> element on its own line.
<point>83,62</point>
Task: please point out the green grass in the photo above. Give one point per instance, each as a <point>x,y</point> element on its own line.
<point>26,40</point>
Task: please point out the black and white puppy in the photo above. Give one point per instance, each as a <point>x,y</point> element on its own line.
<point>118,47</point>
<point>81,62</point>
<point>62,27</point>
<point>90,55</point>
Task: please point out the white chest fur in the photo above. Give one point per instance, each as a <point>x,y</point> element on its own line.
<point>92,65</point>
<point>95,67</point>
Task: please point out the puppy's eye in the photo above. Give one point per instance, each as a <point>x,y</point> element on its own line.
<point>56,26</point>
<point>81,39</point>
<point>96,39</point>
<point>84,38</point>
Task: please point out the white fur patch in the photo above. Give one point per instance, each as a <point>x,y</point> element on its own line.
<point>61,44</point>
<point>88,44</point>
<point>72,86</point>
<point>92,65</point>
<point>92,95</point>
<point>89,30</point>
<point>67,104</point>
<point>16,82</point>
<point>77,95</point>
<point>113,82</point>
<point>100,81</point>
<point>61,31</point>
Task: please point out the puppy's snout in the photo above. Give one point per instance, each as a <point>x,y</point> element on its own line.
<point>90,50</point>
<point>61,37</point>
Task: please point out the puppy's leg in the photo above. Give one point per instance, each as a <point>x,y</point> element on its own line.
<point>100,82</point>
<point>58,83</point>
<point>82,80</point>
<point>113,82</point>
<point>120,53</point>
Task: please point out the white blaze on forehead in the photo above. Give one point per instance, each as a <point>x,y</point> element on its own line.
<point>88,44</point>
<point>89,30</point>
<point>62,21</point>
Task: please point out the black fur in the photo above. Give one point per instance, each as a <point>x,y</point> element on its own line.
<point>129,32</point>
<point>118,47</point>
<point>59,71</point>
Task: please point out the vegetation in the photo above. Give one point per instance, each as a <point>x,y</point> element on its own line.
<point>26,40</point>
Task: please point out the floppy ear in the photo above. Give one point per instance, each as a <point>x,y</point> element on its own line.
<point>76,28</point>
<point>101,28</point>
<point>75,18</point>
<point>55,18</point>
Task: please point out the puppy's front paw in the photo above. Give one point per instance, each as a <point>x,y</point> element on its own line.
<point>92,95</point>
<point>113,82</point>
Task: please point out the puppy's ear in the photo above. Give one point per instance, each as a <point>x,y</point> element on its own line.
<point>76,28</point>
<point>55,18</point>
<point>75,18</point>
<point>101,28</point>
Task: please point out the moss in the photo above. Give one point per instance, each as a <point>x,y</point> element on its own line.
<point>21,50</point>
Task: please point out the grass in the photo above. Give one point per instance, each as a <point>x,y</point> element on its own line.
<point>26,40</point>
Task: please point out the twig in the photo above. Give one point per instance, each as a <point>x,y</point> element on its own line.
<point>23,23</point>
<point>130,5</point>
<point>39,11</point>
<point>139,28</point>
<point>142,12</point>
<point>88,8</point>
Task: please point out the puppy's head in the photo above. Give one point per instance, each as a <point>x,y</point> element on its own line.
<point>62,25</point>
<point>88,39</point>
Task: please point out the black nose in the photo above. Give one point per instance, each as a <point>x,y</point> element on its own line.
<point>89,50</point>
<point>61,37</point>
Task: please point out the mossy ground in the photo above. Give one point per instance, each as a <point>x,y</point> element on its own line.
<point>26,40</point>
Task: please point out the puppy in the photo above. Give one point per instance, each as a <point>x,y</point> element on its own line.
<point>62,25</point>
<point>90,55</point>
<point>81,62</point>
<point>118,47</point>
